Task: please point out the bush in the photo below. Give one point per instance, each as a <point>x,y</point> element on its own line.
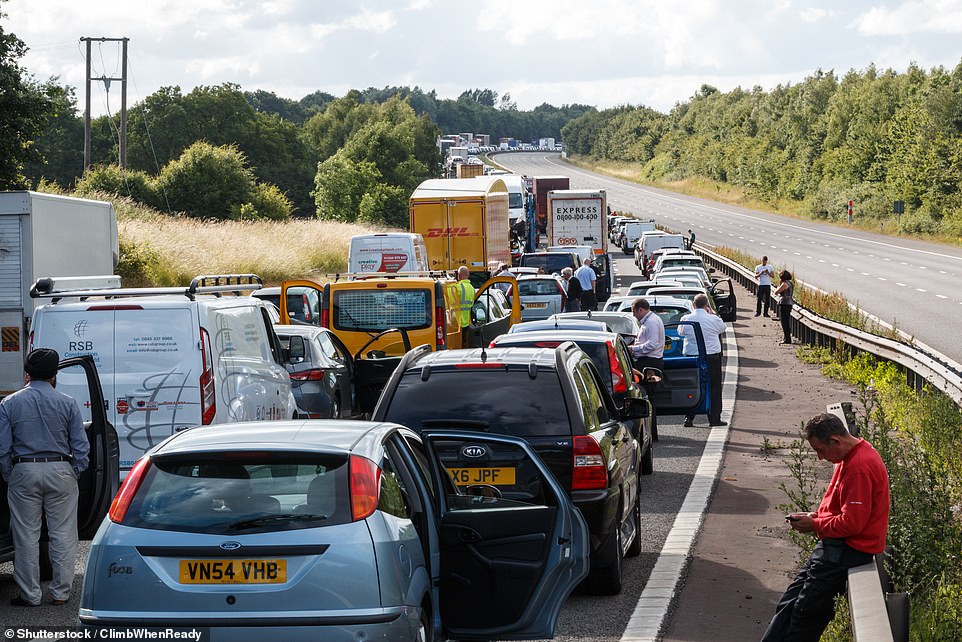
<point>208,181</point>
<point>385,205</point>
<point>112,179</point>
<point>268,202</point>
<point>137,263</point>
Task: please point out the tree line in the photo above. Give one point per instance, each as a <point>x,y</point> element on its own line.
<point>872,137</point>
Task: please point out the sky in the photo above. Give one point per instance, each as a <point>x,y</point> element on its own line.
<point>596,52</point>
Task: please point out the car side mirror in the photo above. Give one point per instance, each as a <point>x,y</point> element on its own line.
<point>636,409</point>
<point>297,350</point>
<point>652,375</point>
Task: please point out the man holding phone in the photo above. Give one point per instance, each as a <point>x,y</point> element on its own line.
<point>850,523</point>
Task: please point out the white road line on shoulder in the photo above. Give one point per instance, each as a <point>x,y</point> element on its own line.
<point>882,278</point>
<point>941,296</point>
<point>651,610</point>
<point>920,290</point>
<point>901,285</point>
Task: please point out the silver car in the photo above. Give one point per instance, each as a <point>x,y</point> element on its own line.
<point>541,296</point>
<point>335,531</point>
<point>321,369</point>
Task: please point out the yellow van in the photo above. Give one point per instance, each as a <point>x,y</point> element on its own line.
<point>380,319</point>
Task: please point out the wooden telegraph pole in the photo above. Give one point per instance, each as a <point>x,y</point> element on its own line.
<point>123,100</point>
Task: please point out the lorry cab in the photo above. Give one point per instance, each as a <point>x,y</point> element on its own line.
<point>379,319</point>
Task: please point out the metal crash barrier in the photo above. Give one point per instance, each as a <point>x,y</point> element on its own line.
<point>877,613</point>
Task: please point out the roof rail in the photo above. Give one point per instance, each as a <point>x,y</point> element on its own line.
<point>45,288</point>
<point>358,276</point>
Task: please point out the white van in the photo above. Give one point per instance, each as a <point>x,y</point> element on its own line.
<point>656,240</point>
<point>517,196</point>
<point>168,358</point>
<point>387,252</point>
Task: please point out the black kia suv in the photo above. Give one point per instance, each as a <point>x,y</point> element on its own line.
<point>558,402</point>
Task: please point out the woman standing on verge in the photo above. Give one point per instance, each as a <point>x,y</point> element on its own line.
<point>784,293</point>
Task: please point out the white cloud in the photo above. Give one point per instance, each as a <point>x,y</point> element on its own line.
<point>923,16</point>
<point>812,14</point>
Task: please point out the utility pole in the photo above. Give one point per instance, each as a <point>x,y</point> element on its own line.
<point>123,100</point>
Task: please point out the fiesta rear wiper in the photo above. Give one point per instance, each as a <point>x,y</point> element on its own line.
<point>267,519</point>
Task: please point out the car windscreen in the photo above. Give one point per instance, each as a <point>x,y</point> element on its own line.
<point>502,400</point>
<point>238,492</point>
<point>376,310</point>
<point>550,261</point>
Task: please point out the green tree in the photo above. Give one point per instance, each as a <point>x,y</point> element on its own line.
<point>340,185</point>
<point>25,106</point>
<point>208,181</point>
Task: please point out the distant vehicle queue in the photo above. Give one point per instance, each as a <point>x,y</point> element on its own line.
<point>445,332</point>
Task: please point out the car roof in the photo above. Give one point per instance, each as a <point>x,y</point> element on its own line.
<point>299,329</point>
<point>535,277</point>
<point>328,436</point>
<point>545,324</point>
<point>271,291</point>
<point>577,336</point>
<point>667,301</point>
<point>521,355</point>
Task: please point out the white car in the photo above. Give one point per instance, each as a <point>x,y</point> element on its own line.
<point>542,295</point>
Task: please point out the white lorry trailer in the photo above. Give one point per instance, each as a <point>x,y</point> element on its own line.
<point>43,235</point>
<point>578,217</point>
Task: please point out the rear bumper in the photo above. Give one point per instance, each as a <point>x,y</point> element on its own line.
<point>600,510</point>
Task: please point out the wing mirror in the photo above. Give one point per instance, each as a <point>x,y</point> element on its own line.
<point>637,409</point>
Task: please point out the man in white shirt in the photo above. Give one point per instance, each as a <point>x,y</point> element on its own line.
<point>712,327</point>
<point>649,347</point>
<point>504,271</point>
<point>587,277</point>
<point>764,273</point>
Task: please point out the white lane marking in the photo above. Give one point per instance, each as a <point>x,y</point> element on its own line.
<point>665,579</point>
<point>940,272</point>
<point>866,274</point>
<point>821,260</point>
<point>834,264</point>
<point>901,285</point>
<point>941,296</point>
<point>882,278</point>
<point>920,290</point>
<point>850,269</point>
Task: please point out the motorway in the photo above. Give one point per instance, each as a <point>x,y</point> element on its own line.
<point>911,284</point>
<point>584,617</point>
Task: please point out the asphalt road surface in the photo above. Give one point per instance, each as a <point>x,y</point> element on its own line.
<point>912,284</point>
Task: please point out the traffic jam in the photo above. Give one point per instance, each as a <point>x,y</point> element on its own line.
<point>461,418</point>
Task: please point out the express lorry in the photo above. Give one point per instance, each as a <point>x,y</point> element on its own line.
<point>578,217</point>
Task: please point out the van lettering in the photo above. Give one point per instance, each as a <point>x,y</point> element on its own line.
<point>76,346</point>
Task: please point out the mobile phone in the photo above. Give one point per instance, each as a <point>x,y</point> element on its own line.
<point>792,518</point>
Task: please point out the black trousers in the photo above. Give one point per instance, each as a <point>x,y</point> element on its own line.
<point>764,299</point>
<point>589,301</point>
<point>808,604</point>
<point>785,316</point>
<point>714,389</point>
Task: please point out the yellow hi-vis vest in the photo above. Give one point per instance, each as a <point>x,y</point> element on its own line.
<point>465,300</point>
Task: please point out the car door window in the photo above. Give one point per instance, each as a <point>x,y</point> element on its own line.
<point>393,496</point>
<point>596,401</point>
<point>588,414</point>
<point>328,349</point>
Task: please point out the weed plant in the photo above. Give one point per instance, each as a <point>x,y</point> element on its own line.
<point>919,436</point>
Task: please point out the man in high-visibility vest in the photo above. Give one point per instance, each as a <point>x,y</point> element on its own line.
<point>465,302</point>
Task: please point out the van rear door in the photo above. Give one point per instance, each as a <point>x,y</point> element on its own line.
<point>430,219</point>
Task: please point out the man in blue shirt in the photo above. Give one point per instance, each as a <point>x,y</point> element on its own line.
<point>43,450</point>
<point>587,277</point>
<point>712,329</point>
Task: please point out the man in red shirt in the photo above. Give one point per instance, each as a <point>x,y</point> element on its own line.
<point>850,523</point>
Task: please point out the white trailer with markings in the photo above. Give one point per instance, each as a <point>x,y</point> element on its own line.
<point>43,235</point>
<point>578,217</point>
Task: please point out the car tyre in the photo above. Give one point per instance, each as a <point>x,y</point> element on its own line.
<point>634,549</point>
<point>648,461</point>
<point>607,580</point>
<point>423,634</point>
<point>336,408</point>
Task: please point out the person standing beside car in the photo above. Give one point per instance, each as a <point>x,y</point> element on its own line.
<point>586,275</point>
<point>763,273</point>
<point>851,524</point>
<point>465,302</point>
<point>648,350</point>
<point>43,450</point>
<point>572,291</point>
<point>712,328</point>
<point>785,295</point>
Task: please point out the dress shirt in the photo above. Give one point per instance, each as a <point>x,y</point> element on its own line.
<point>650,341</point>
<point>712,327</point>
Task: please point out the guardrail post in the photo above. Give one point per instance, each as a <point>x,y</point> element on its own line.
<point>897,606</point>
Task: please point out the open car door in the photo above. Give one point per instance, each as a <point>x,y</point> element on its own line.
<point>100,482</point>
<point>724,296</point>
<point>373,366</point>
<point>299,302</point>
<point>486,324</point>
<point>684,387</point>
<point>506,565</point>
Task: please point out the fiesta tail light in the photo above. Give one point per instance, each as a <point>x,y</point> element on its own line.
<point>440,331</point>
<point>121,502</point>
<point>208,397</point>
<point>365,480</point>
<point>590,470</point>
<point>308,375</point>
<point>618,381</point>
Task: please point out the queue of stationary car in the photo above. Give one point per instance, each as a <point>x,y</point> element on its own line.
<point>501,465</point>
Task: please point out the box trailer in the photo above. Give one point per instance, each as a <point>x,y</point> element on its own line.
<point>578,217</point>
<point>464,221</point>
<point>45,235</point>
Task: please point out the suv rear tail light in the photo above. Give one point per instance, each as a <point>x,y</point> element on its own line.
<point>325,318</point>
<point>365,482</point>
<point>590,470</point>
<point>118,507</point>
<point>439,327</point>
<point>618,382</point>
<point>208,398</point>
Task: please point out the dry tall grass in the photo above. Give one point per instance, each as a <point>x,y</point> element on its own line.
<point>171,250</point>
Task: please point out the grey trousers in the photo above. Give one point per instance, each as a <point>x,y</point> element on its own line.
<point>35,489</point>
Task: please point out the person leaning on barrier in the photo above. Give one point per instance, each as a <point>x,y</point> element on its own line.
<point>43,450</point>
<point>850,523</point>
